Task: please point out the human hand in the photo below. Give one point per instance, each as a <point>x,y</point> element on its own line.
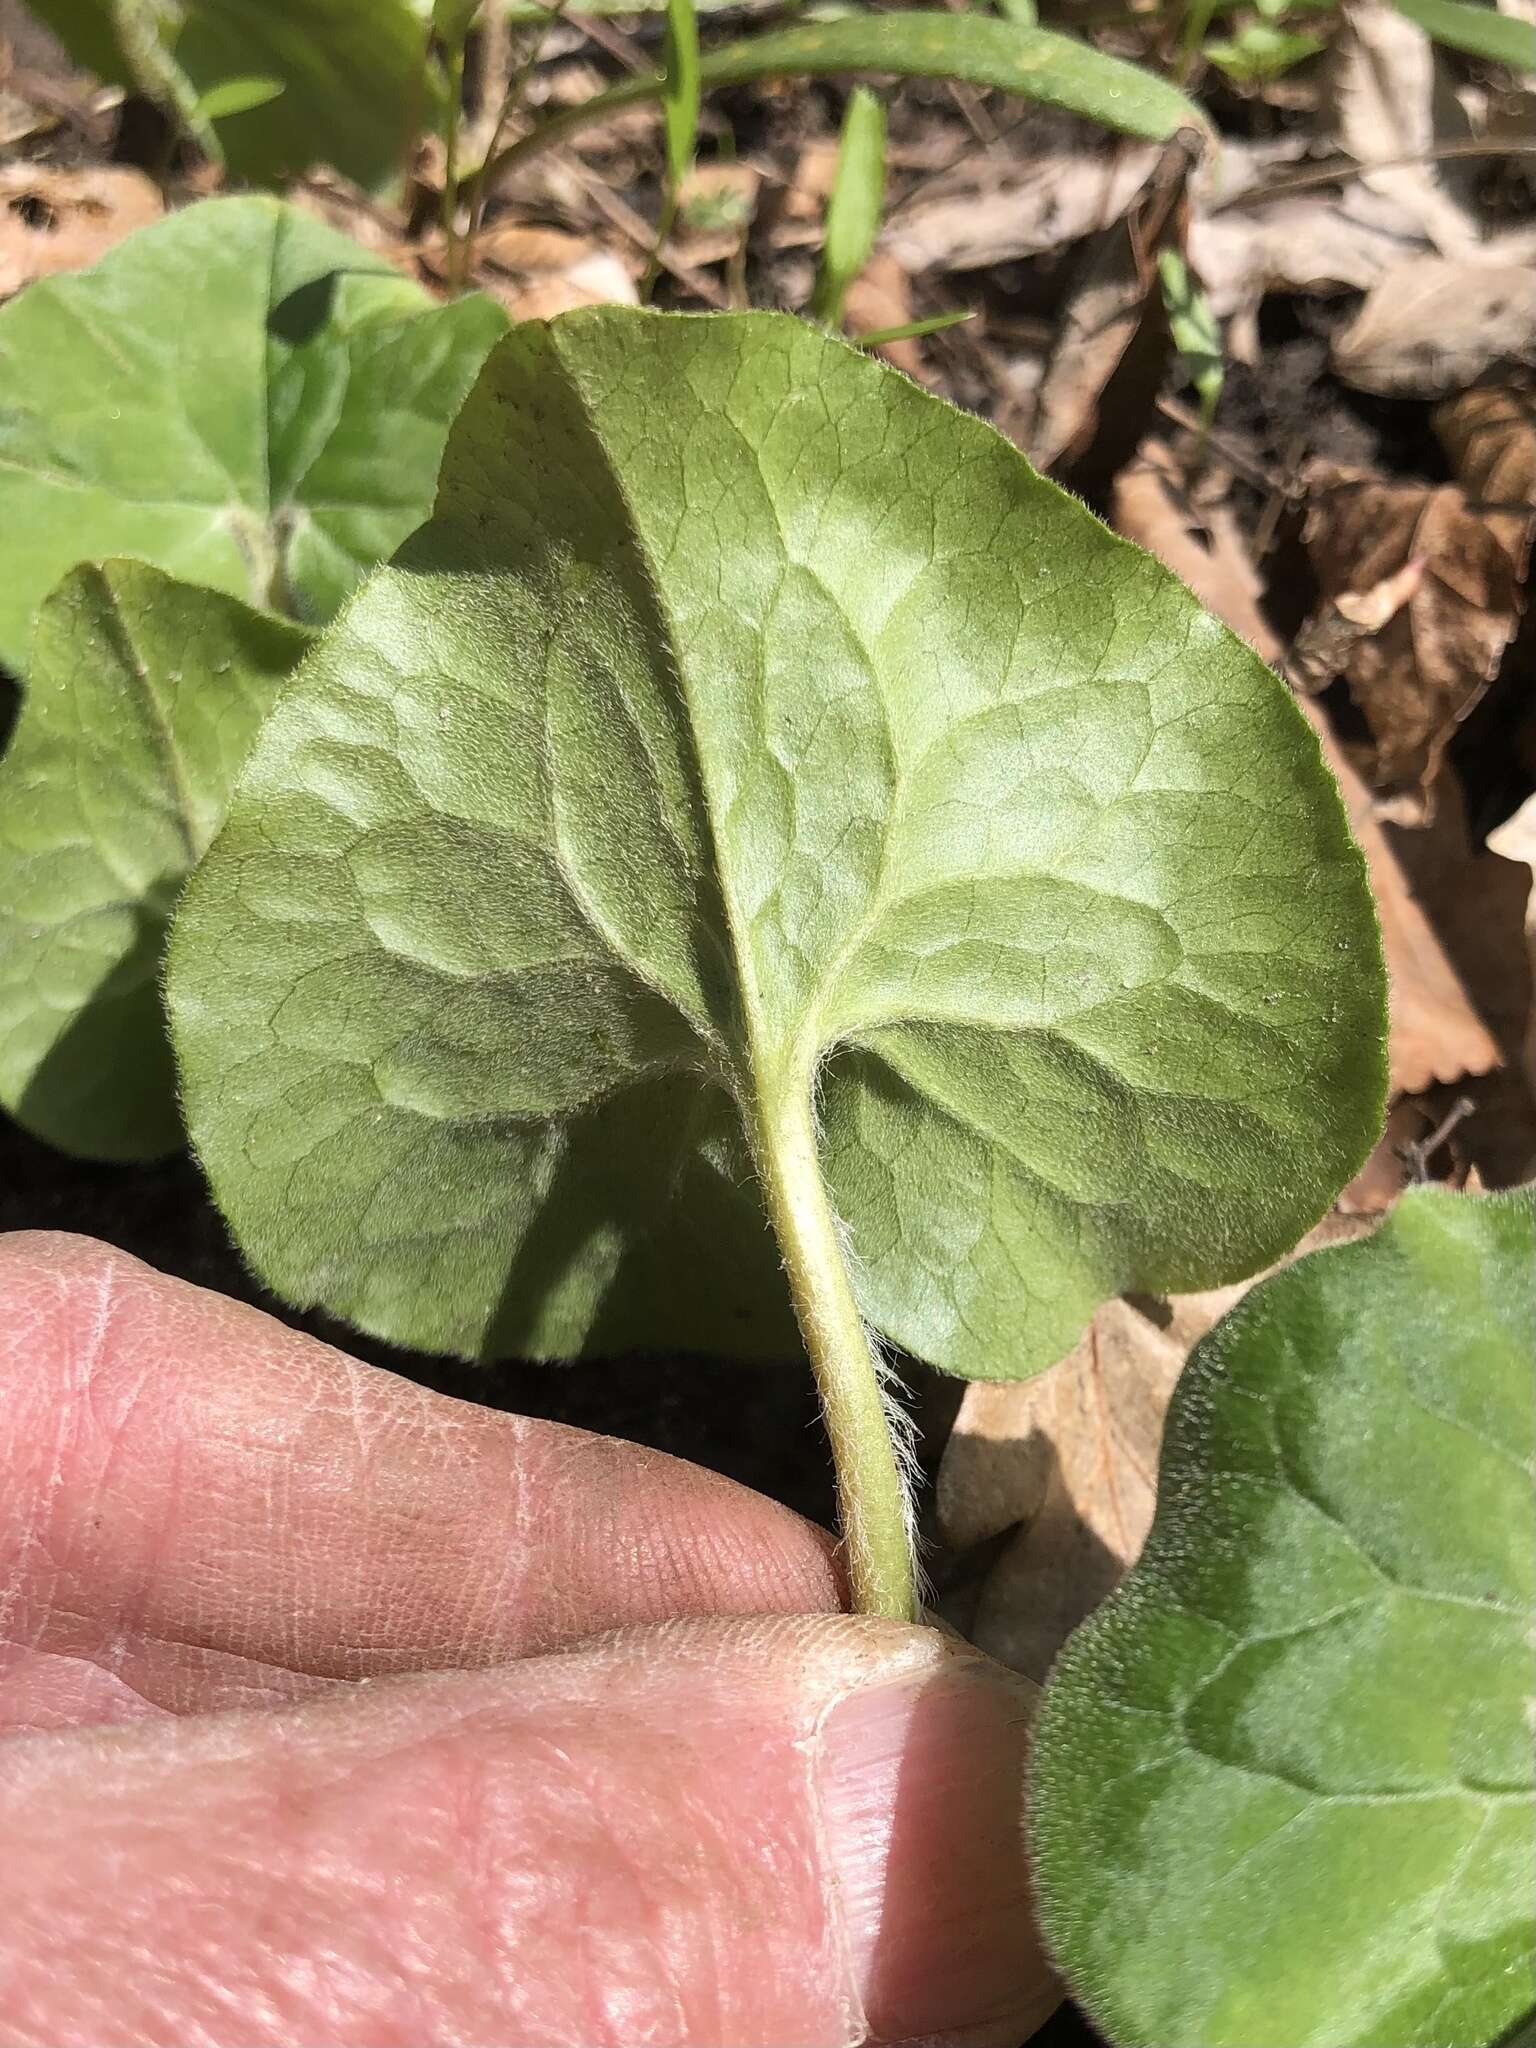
<point>337,1711</point>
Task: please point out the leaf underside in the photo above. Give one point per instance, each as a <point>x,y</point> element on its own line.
<point>1283,1779</point>
<point>144,698</point>
<point>745,721</point>
<point>239,395</point>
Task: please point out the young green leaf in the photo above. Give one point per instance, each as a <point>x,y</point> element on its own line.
<point>351,73</point>
<point>237,394</point>
<point>978,49</point>
<point>144,698</point>
<point>237,96</point>
<point>853,210</point>
<point>143,53</point>
<point>1480,31</point>
<point>1195,331</point>
<point>755,764</point>
<point>1283,1779</point>
<point>1258,50</point>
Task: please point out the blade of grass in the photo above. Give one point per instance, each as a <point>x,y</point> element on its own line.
<point>1035,63</point>
<point>681,93</point>
<point>1480,31</point>
<point>913,330</point>
<point>853,210</point>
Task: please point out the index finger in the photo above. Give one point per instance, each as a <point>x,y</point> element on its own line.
<point>218,1510</point>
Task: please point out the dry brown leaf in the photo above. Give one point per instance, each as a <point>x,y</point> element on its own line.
<point>1477,904</point>
<point>801,206</point>
<point>538,272</point>
<point>1436,1034</point>
<point>715,210</point>
<point>598,280</point>
<point>1515,840</point>
<point>1432,327</point>
<point>53,220</point>
<point>532,249</point>
<point>1391,100</point>
<point>1490,436</point>
<point>1068,185</point>
<point>1070,1458</point>
<point>1326,644</point>
<point>1105,312</point>
<point>1202,545</point>
<point>1073,1456</point>
<point>1313,242</point>
<point>1447,591</point>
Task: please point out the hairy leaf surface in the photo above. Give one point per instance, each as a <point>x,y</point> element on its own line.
<point>1283,1778</point>
<point>747,722</point>
<point>239,395</point>
<point>144,698</point>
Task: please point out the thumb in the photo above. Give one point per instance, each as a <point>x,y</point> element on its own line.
<point>801,1832</point>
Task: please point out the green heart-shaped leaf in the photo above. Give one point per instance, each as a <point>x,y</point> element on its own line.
<point>239,395</point>
<point>351,74</point>
<point>748,726</point>
<point>1283,1778</point>
<point>144,698</point>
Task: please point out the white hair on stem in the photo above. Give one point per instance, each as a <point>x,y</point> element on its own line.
<point>899,1422</point>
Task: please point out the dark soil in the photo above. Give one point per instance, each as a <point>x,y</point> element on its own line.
<point>757,1423</point>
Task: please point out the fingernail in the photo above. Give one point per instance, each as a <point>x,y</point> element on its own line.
<point>921,1782</point>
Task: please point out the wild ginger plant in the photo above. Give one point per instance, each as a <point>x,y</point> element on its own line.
<point>762,867</point>
<point>762,858</point>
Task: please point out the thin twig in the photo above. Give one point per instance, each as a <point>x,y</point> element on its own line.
<point>635,228</point>
<point>1190,421</point>
<point>926,176</point>
<point>1345,169</point>
<point>328,186</point>
<point>1417,1154</point>
<point>511,103</point>
<point>972,112</point>
<point>621,47</point>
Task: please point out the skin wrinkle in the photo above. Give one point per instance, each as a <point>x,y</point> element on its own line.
<point>374,1865</point>
<point>621,1914</point>
<point>281,1518</point>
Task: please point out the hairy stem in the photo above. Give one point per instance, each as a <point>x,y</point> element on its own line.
<point>870,1494</point>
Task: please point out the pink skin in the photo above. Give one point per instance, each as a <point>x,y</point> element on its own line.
<point>335,1711</point>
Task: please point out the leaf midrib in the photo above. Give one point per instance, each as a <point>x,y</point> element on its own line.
<point>773,1070</point>
<point>749,1088</point>
<point>162,733</point>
